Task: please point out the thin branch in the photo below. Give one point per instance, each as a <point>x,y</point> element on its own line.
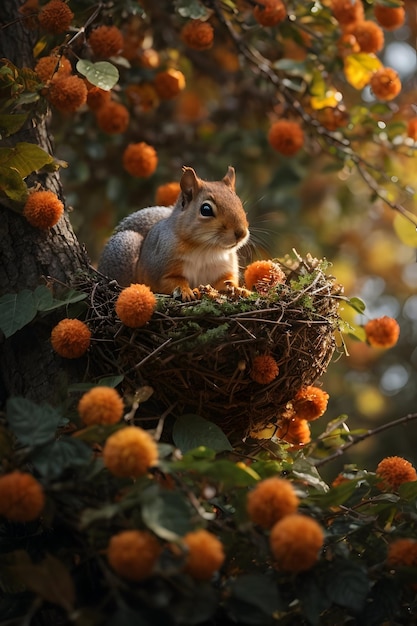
<point>369,433</point>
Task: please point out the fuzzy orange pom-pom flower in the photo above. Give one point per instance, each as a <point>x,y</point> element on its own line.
<point>50,66</point>
<point>269,12</point>
<point>21,497</point>
<point>197,35</point>
<point>96,97</point>
<point>385,83</point>
<point>140,159</point>
<point>70,338</point>
<point>382,332</point>
<point>205,554</point>
<point>263,275</point>
<point>389,18</point>
<point>294,431</point>
<point>264,369</point>
<point>169,83</point>
<point>43,209</point>
<point>412,128</point>
<point>394,471</point>
<point>347,12</point>
<point>133,554</point>
<point>369,36</point>
<point>310,403</point>
<point>100,405</point>
<point>167,195</point>
<point>286,137</point>
<point>113,118</point>
<point>67,93</point>
<point>271,500</point>
<point>105,41</point>
<point>135,305</point>
<point>55,17</point>
<point>402,552</point>
<point>130,452</point>
<point>295,542</point>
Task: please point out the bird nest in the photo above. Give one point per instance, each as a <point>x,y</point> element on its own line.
<point>197,356</point>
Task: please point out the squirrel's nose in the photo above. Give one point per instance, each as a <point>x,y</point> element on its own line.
<point>240,233</point>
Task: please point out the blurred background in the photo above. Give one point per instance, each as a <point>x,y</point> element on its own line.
<point>316,201</point>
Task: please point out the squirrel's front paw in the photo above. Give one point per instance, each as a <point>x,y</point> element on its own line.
<point>186,294</point>
<point>233,291</point>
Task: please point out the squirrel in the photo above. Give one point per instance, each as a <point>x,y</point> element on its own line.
<point>174,250</point>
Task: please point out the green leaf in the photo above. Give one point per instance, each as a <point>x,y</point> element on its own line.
<point>347,584</point>
<point>167,514</point>
<point>101,74</point>
<point>16,310</point>
<point>335,496</point>
<point>259,590</point>
<point>312,598</point>
<point>25,158</point>
<point>193,9</point>
<point>43,298</point>
<point>53,459</point>
<point>10,124</point>
<point>33,424</point>
<point>408,491</point>
<point>357,304</point>
<point>191,431</point>
<point>13,185</point>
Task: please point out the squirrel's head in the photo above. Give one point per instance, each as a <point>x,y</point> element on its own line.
<point>216,210</point>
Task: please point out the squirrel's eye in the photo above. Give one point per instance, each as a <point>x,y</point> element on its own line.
<point>206,210</point>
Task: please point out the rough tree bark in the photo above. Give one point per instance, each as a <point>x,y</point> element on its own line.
<point>27,255</point>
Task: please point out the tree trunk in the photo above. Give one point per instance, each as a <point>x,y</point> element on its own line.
<point>28,256</point>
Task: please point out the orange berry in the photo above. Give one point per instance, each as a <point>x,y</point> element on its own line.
<point>143,96</point>
<point>67,93</point>
<point>382,332</point>
<point>347,12</point>
<point>50,66</point>
<point>263,275</point>
<point>205,554</point>
<point>167,195</point>
<point>168,84</point>
<point>310,403</point>
<point>402,552</point>
<point>96,97</point>
<point>135,305</point>
<point>55,17</point>
<point>294,431</point>
<point>43,209</point>
<point>347,44</point>
<point>130,452</point>
<point>105,41</point>
<point>70,338</point>
<point>385,83</point>
<point>101,405</point>
<point>264,369</point>
<point>269,12</point>
<point>140,159</point>
<point>21,497</point>
<point>369,36</point>
<point>271,500</point>
<point>133,554</point>
<point>113,118</point>
<point>389,18</point>
<point>197,35</point>
<point>149,58</point>
<point>394,471</point>
<point>29,11</point>
<point>295,542</point>
<point>286,137</point>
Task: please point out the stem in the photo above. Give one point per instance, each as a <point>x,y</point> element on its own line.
<point>369,433</point>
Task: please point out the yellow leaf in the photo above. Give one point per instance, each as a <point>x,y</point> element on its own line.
<point>406,231</point>
<point>330,99</point>
<point>360,67</point>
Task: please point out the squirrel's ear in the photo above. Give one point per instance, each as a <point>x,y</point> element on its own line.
<point>189,183</point>
<point>230,177</point>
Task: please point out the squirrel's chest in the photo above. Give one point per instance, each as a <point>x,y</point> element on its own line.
<point>201,268</point>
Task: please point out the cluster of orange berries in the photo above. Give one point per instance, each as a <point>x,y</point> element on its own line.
<point>71,338</point>
<point>295,539</point>
<point>309,404</point>
<point>362,35</point>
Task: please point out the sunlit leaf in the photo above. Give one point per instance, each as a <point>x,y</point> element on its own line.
<point>13,185</point>
<point>359,68</point>
<point>10,124</point>
<point>405,230</point>
<point>101,74</point>
<point>25,158</point>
